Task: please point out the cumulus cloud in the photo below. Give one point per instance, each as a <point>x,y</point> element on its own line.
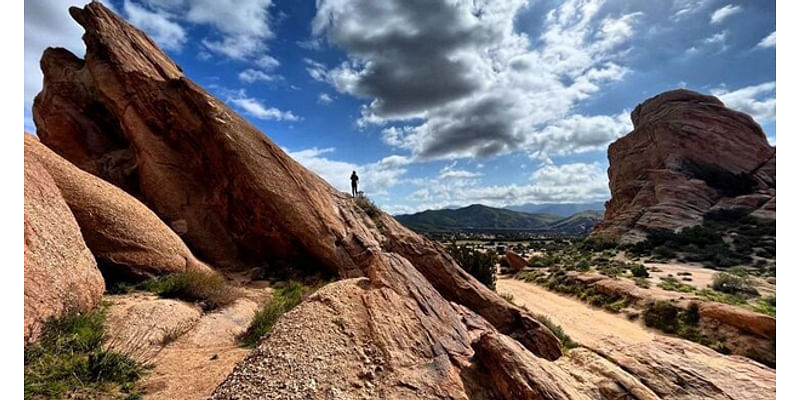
<point>723,13</point>
<point>255,108</point>
<point>473,86</point>
<point>768,41</point>
<point>758,100</point>
<point>324,98</point>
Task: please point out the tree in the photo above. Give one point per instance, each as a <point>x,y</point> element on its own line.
<point>479,264</point>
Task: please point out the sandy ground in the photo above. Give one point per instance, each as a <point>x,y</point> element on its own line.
<point>701,277</point>
<point>584,324</point>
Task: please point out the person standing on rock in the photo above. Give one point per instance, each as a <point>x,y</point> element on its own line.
<point>354,183</point>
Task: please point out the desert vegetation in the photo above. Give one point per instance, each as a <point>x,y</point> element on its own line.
<point>480,264</point>
<point>283,299</point>
<point>74,360</point>
<point>209,290</point>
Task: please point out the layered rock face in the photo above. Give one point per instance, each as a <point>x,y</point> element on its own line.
<point>686,155</point>
<point>61,275</point>
<point>405,321</point>
<point>127,239</point>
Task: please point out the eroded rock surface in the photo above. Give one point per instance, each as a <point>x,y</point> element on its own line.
<point>61,275</point>
<point>686,154</point>
<point>127,239</point>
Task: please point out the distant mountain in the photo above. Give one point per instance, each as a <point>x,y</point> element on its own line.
<point>579,223</point>
<point>560,209</point>
<point>478,217</point>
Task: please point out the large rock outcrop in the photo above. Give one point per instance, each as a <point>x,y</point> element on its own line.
<point>241,199</point>
<point>687,154</point>
<point>60,273</point>
<point>127,239</point>
<point>404,320</point>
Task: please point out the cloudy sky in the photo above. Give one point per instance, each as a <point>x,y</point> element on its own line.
<point>443,102</point>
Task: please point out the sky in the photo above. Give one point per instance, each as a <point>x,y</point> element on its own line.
<point>442,103</point>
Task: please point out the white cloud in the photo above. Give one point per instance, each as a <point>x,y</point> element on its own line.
<point>168,34</point>
<point>768,41</point>
<point>375,178</point>
<point>252,75</point>
<point>723,13</point>
<point>758,100</point>
<point>481,88</point>
<point>716,38</point>
<point>267,62</point>
<point>324,98</point>
<point>253,107</point>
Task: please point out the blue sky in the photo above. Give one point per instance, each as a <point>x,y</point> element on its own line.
<point>444,103</point>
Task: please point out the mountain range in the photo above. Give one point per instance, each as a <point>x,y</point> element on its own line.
<point>560,209</point>
<point>481,217</point>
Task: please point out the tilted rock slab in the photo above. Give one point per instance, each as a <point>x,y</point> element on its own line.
<point>127,239</point>
<point>686,153</point>
<point>61,275</point>
<point>404,322</point>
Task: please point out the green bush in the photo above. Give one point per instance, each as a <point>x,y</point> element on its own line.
<point>733,284</point>
<point>566,342</point>
<point>639,271</point>
<point>766,305</point>
<point>478,264</point>
<point>642,282</point>
<point>507,297</point>
<point>668,317</point>
<point>597,243</point>
<point>670,283</point>
<point>283,299</point>
<point>70,357</point>
<point>210,290</point>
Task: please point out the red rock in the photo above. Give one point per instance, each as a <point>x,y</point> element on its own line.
<point>515,262</point>
<point>60,273</point>
<point>686,153</point>
<point>127,239</point>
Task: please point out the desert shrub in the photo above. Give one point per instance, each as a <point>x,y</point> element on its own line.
<point>725,214</point>
<point>507,297</point>
<point>766,305</point>
<point>597,243</point>
<point>365,203</point>
<point>210,290</point>
<point>566,341</point>
<point>670,283</point>
<point>639,271</point>
<point>733,284</point>
<point>732,299</point>
<point>641,282</point>
<point>540,261</point>
<point>668,317</point>
<point>283,299</point>
<point>71,357</point>
<point>478,264</point>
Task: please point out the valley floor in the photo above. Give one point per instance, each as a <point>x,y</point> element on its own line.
<point>585,324</point>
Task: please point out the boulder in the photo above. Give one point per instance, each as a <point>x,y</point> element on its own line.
<point>60,273</point>
<point>128,240</point>
<point>659,181</point>
<point>515,262</point>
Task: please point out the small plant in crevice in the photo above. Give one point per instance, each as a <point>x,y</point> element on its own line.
<point>566,342</point>
<point>283,299</point>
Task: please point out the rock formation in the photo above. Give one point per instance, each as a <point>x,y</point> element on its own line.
<point>403,320</point>
<point>687,154</point>
<point>60,273</point>
<point>515,262</point>
<point>127,239</point>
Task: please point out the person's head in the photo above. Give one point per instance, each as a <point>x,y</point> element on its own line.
<point>354,172</point>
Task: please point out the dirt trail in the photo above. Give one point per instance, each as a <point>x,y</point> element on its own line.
<point>586,325</point>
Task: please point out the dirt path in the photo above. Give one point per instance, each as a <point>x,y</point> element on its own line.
<point>586,325</point>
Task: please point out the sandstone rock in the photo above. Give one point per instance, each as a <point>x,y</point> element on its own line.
<point>658,181</point>
<point>243,200</point>
<point>60,273</point>
<point>516,262</point>
<point>127,239</point>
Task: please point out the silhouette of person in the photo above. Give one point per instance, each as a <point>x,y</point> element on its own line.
<point>354,183</point>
